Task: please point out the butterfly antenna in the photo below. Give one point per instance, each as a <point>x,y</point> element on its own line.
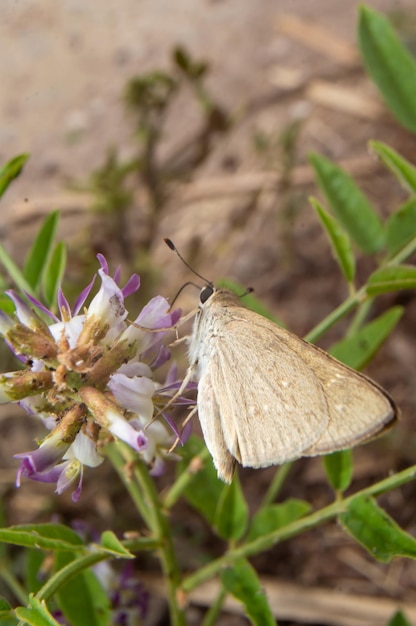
<point>172,246</point>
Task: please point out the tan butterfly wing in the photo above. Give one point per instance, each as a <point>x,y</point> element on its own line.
<point>267,397</point>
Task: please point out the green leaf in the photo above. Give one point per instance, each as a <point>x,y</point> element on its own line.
<point>4,605</point>
<point>340,241</point>
<point>43,536</point>
<point>399,619</point>
<point>349,204</point>
<point>241,581</point>
<point>36,615</point>
<point>357,350</point>
<point>231,515</point>
<point>377,531</point>
<point>275,516</point>
<point>34,561</point>
<point>391,279</point>
<point>53,274</point>
<point>338,467</point>
<point>11,170</point>
<point>39,253</point>
<point>404,171</point>
<point>204,481</point>
<point>14,272</point>
<point>401,227</point>
<point>113,545</point>
<point>82,599</point>
<point>250,301</point>
<point>6,613</point>
<point>389,64</point>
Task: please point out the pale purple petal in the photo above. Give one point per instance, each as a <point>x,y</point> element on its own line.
<point>117,274</point>
<point>153,313</point>
<point>122,429</point>
<point>135,394</point>
<point>63,303</point>
<point>172,375</point>
<point>108,304</point>
<point>23,311</point>
<point>135,368</point>
<point>161,358</point>
<point>82,297</point>
<point>84,450</point>
<point>103,262</point>
<point>6,323</point>
<point>40,306</point>
<point>72,329</point>
<point>131,286</point>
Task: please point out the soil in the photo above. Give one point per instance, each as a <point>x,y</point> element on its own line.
<point>240,213</point>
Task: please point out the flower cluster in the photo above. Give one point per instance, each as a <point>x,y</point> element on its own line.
<point>89,375</point>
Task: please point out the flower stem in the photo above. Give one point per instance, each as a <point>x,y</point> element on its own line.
<point>184,480</point>
<point>152,511</point>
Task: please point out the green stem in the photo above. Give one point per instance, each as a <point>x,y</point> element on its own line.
<point>119,464</point>
<point>215,609</point>
<point>68,572</point>
<point>13,584</point>
<point>184,479</point>
<point>295,528</point>
<point>359,297</point>
<point>159,526</point>
<point>359,317</point>
<point>337,314</point>
<point>277,483</point>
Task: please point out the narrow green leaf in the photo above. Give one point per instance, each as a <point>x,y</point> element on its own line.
<point>54,271</point>
<point>399,619</point>
<point>112,544</point>
<point>275,516</point>
<point>82,599</point>
<point>43,536</point>
<point>349,204</point>
<point>401,227</point>
<point>391,279</point>
<point>39,253</point>
<point>231,515</point>
<point>204,481</point>
<point>389,64</point>
<point>340,241</point>
<point>14,272</point>
<point>250,300</point>
<point>241,581</point>
<point>404,171</point>
<point>377,531</point>
<point>11,170</point>
<point>338,467</point>
<point>357,350</point>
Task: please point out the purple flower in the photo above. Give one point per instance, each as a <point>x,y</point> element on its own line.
<point>90,375</point>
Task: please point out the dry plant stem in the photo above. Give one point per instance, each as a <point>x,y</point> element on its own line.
<point>295,528</point>
<point>143,488</point>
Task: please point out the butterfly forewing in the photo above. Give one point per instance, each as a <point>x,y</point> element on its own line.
<point>265,396</point>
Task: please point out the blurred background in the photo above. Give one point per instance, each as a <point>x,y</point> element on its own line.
<point>193,120</point>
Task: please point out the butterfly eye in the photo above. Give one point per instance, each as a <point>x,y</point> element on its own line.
<point>206,293</point>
